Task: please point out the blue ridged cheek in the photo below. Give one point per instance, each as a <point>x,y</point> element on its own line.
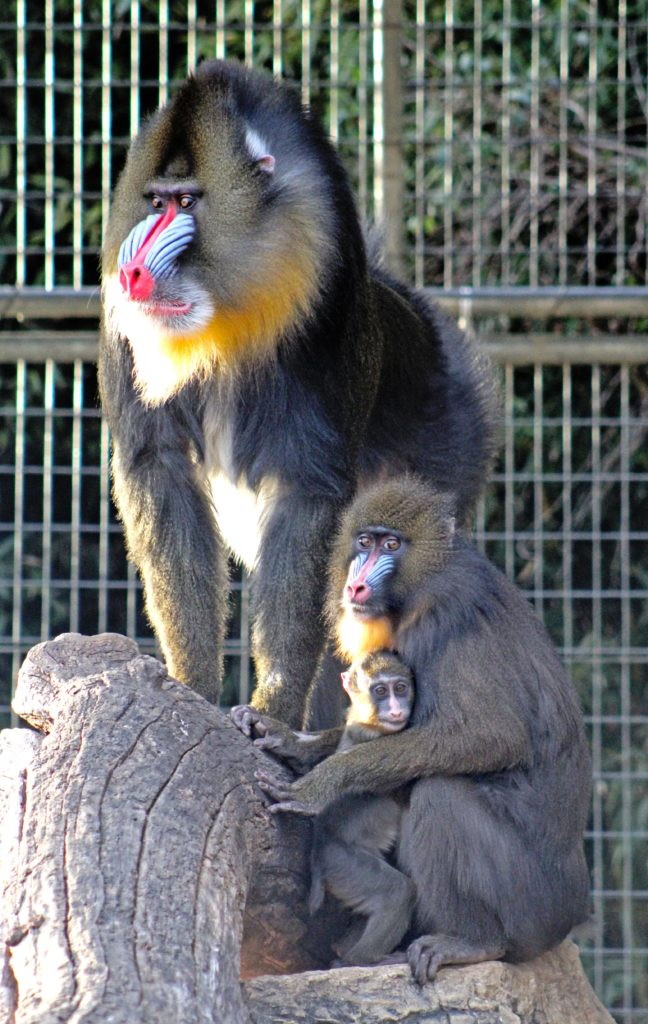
<point>135,239</point>
<point>356,565</point>
<point>174,240</point>
<point>383,568</point>
<point>379,572</point>
<point>162,257</point>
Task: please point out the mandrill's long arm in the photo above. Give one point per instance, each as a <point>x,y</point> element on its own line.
<point>390,762</point>
<point>170,528</point>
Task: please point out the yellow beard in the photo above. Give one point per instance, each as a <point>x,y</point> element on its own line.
<point>164,360</point>
<point>250,330</point>
<point>357,637</point>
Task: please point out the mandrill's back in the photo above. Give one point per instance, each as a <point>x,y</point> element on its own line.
<point>437,402</point>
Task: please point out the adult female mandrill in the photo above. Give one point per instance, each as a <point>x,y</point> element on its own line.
<point>253,365</point>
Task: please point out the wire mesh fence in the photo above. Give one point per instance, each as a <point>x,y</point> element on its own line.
<point>564,516</point>
<point>504,142</point>
<point>63,564</point>
<point>504,146</point>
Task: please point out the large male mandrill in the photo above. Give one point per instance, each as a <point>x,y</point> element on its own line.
<point>254,365</point>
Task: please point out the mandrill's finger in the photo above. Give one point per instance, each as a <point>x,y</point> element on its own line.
<point>277,790</point>
<point>267,742</point>
<point>420,968</point>
<point>290,807</point>
<point>239,716</point>
<point>423,960</point>
<point>244,717</point>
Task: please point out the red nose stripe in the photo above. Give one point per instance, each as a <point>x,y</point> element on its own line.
<point>136,279</point>
<point>357,589</point>
<point>149,241</point>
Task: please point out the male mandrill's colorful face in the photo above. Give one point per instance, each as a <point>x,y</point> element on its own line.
<point>216,244</point>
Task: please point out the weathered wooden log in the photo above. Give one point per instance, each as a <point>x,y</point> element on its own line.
<point>141,876</point>
<point>137,842</point>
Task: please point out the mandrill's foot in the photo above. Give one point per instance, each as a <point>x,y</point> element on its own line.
<point>427,954</point>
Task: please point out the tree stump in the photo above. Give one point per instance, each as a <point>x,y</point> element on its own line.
<point>141,877</point>
<point>552,989</point>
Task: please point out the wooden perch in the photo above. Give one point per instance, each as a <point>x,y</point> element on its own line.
<point>141,876</point>
<point>550,990</point>
<point>141,832</point>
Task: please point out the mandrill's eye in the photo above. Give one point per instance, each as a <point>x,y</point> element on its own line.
<point>157,202</point>
<point>187,202</point>
<point>391,544</point>
<point>364,541</point>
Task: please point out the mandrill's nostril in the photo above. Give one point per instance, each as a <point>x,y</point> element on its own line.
<point>137,281</point>
<point>358,592</point>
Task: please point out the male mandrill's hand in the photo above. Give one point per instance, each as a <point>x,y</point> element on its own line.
<point>284,796</point>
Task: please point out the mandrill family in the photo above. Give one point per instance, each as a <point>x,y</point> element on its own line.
<point>261,373</point>
<point>493,766</point>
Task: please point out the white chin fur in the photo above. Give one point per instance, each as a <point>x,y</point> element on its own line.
<point>156,374</point>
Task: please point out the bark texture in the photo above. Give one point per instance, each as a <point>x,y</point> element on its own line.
<point>550,990</point>
<point>141,876</point>
<point>134,832</point>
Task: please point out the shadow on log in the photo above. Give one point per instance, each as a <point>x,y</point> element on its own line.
<point>141,876</point>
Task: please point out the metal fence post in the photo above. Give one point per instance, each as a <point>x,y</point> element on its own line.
<point>388,117</point>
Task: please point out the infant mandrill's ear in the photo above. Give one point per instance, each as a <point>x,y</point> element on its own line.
<point>346,680</point>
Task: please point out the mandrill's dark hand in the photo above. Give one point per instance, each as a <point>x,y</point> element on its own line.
<point>267,733</point>
<point>246,718</point>
<point>275,737</point>
<point>283,796</point>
